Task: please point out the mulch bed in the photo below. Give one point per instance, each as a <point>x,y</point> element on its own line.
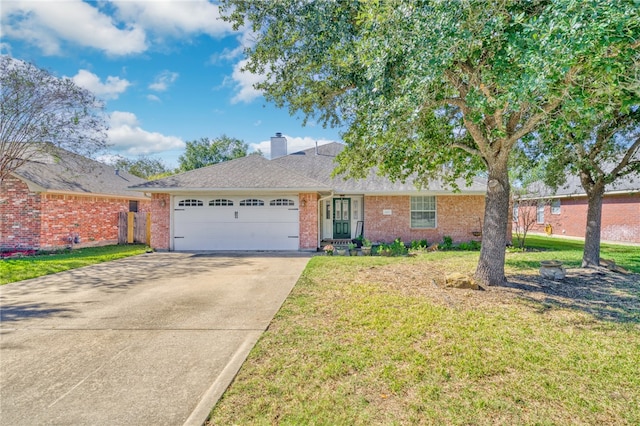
<point>602,293</point>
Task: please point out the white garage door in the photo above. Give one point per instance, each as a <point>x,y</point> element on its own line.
<point>236,223</point>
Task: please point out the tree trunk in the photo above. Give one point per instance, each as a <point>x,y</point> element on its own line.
<point>490,269</point>
<point>591,253</point>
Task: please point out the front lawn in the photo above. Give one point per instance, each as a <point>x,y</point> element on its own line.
<point>22,268</point>
<point>375,340</point>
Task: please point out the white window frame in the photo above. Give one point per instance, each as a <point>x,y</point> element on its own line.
<point>540,213</point>
<point>221,202</point>
<point>423,204</point>
<point>191,202</point>
<point>282,202</point>
<point>251,202</point>
<point>556,206</point>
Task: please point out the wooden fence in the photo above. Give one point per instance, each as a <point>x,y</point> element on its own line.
<point>134,228</point>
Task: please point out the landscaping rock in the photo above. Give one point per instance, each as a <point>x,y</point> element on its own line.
<point>611,265</point>
<point>552,270</point>
<point>458,280</point>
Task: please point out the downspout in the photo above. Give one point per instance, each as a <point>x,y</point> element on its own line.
<point>320,200</point>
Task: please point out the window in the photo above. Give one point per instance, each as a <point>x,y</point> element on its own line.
<point>555,207</point>
<point>133,206</point>
<point>515,212</point>
<point>423,212</point>
<point>540,213</point>
<point>191,203</point>
<point>221,202</point>
<point>251,202</point>
<point>281,202</point>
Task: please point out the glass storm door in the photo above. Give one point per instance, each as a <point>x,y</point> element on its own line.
<point>342,218</point>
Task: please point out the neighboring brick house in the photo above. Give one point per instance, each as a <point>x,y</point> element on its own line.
<point>63,199</point>
<point>293,203</point>
<point>564,212</point>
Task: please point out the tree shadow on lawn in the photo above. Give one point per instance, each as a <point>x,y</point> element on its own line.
<point>604,294</point>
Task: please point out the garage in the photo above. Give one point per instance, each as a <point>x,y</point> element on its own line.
<point>253,222</point>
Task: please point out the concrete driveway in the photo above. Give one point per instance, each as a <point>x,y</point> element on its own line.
<point>152,339</point>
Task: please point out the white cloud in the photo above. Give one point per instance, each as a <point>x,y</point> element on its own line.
<point>49,24</point>
<point>110,89</point>
<point>243,82</point>
<point>163,81</point>
<point>294,144</point>
<point>175,18</point>
<point>153,98</point>
<point>126,136</point>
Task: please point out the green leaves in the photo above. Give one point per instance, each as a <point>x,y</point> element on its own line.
<point>204,152</point>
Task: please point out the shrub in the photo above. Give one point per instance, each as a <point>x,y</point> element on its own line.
<point>419,244</point>
<point>447,243</point>
<point>398,248</point>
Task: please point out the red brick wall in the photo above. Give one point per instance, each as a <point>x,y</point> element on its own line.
<point>19,215</point>
<point>308,221</point>
<point>160,221</point>
<point>45,221</point>
<point>457,216</point>
<point>620,218</point>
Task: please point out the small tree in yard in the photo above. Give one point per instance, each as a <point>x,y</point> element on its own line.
<point>437,88</point>
<point>39,112</point>
<point>524,217</point>
<point>601,148</point>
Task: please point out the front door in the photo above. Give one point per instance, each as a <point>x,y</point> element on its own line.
<point>342,218</point>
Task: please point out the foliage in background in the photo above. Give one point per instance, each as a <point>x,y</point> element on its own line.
<point>39,112</point>
<point>205,152</point>
<point>438,89</point>
<point>144,166</point>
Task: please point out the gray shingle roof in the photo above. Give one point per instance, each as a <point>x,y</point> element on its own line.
<point>64,171</point>
<point>299,171</point>
<point>320,165</point>
<point>573,187</point>
<point>251,172</point>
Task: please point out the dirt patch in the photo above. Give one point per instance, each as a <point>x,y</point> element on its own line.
<point>602,293</point>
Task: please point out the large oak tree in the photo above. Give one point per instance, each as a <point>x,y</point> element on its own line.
<point>437,87</point>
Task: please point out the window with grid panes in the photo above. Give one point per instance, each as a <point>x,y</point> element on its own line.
<point>423,211</point>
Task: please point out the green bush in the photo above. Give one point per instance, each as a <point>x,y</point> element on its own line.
<point>447,243</point>
<point>419,244</point>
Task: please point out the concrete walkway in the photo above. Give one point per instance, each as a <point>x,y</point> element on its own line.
<point>152,339</point>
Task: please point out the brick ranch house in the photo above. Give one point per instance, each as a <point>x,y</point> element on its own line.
<point>564,212</point>
<point>61,199</point>
<point>291,202</point>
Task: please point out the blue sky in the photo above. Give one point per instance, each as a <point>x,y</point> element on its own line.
<point>169,71</point>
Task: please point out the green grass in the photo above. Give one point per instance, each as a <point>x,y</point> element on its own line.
<point>570,252</point>
<point>372,340</point>
<point>17,269</point>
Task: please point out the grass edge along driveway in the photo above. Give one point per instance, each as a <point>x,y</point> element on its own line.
<point>372,340</point>
<point>22,268</point>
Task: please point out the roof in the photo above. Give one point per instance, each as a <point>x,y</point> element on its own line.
<point>319,164</point>
<point>307,170</point>
<point>252,172</point>
<point>573,187</point>
<point>63,171</point>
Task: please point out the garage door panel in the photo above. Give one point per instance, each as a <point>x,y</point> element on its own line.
<point>247,227</point>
